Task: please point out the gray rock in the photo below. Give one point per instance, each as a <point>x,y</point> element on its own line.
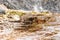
<point>50,5</point>
<point>21,4</point>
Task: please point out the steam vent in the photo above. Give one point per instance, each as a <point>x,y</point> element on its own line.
<point>29,19</point>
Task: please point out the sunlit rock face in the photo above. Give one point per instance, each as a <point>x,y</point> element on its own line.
<point>51,5</point>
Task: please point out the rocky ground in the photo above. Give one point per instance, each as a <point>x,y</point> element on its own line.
<point>51,31</point>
